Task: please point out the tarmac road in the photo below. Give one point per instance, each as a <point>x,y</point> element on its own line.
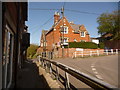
<point>103,67</point>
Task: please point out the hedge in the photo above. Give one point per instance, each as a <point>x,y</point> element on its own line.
<point>101,45</point>
<point>89,45</point>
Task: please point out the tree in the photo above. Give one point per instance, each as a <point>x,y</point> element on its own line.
<point>31,51</point>
<point>109,23</point>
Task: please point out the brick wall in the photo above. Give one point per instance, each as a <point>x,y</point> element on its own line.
<point>53,37</point>
<point>69,52</point>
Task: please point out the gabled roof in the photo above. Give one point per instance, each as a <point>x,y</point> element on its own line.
<point>53,26</point>
<point>76,27</point>
<point>107,35</point>
<point>43,33</point>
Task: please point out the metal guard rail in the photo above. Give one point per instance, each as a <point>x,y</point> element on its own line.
<point>90,81</point>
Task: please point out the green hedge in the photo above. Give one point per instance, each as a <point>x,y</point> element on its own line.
<point>89,45</point>
<point>101,45</point>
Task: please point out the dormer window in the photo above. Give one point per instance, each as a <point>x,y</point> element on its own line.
<point>82,34</point>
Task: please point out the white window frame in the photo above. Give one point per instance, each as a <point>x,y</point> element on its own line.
<point>66,39</point>
<point>81,34</point>
<point>65,29</point>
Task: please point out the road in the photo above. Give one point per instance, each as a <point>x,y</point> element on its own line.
<point>103,67</point>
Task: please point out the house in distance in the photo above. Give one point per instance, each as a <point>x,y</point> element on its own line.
<point>61,33</point>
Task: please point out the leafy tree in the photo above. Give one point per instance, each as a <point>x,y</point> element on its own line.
<point>31,51</point>
<point>109,23</point>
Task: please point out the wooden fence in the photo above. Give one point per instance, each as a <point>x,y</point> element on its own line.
<point>95,53</point>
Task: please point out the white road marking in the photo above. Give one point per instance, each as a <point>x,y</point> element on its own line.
<point>92,66</point>
<point>93,69</point>
<point>96,72</point>
<point>98,76</point>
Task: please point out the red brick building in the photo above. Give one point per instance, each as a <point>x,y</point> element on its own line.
<point>63,29</point>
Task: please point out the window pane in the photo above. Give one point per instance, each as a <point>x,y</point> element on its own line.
<point>7,57</point>
<point>82,34</point>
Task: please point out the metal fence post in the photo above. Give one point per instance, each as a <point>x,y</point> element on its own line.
<point>67,84</point>
<point>50,68</point>
<point>43,63</point>
<point>39,59</point>
<point>46,65</point>
<point>57,73</point>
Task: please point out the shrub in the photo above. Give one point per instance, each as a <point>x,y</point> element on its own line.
<point>34,56</point>
<point>31,51</point>
<point>101,45</point>
<point>89,45</point>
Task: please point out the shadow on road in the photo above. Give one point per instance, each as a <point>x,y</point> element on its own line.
<point>28,77</point>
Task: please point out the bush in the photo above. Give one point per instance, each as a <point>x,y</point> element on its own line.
<point>34,56</point>
<point>89,45</point>
<point>31,51</point>
<point>101,45</point>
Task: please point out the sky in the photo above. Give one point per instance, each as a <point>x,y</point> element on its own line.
<point>39,20</point>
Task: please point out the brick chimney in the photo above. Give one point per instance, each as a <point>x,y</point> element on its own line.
<point>56,17</point>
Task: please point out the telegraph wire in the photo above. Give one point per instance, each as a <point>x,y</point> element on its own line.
<point>81,12</point>
<point>44,24</point>
<point>41,9</point>
<point>59,11</point>
<point>66,10</point>
<point>46,21</point>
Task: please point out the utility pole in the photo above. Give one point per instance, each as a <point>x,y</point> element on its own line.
<point>44,43</point>
<point>62,11</point>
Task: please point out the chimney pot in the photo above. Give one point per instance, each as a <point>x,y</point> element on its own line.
<point>56,17</point>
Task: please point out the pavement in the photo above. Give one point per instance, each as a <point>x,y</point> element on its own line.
<point>29,77</point>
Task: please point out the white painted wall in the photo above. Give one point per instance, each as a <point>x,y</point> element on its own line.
<point>95,41</point>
